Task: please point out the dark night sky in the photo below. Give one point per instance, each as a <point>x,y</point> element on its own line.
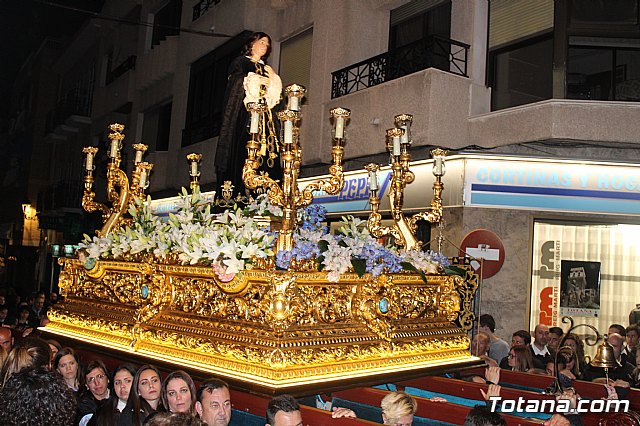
<point>23,26</point>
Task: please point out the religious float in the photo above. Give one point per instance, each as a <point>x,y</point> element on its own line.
<point>264,296</point>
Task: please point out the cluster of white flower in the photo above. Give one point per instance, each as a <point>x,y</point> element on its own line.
<point>228,241</point>
<point>261,206</point>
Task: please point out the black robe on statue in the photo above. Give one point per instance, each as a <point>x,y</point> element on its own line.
<point>231,152</point>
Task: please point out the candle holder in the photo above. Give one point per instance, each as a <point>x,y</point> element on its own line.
<point>120,192</point>
<point>140,149</point>
<point>398,142</point>
<point>294,94</point>
<point>287,195</point>
<point>194,171</point>
<point>228,201</point>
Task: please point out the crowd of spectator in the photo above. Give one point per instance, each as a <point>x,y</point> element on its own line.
<point>42,383</point>
<point>23,315</point>
<point>537,353</point>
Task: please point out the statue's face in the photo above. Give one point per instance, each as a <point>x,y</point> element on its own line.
<point>260,47</point>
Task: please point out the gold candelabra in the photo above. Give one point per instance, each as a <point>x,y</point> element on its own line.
<point>120,192</point>
<point>398,142</point>
<point>287,195</point>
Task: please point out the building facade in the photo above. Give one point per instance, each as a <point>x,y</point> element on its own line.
<point>530,97</point>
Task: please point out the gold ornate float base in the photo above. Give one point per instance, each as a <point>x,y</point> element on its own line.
<point>275,331</point>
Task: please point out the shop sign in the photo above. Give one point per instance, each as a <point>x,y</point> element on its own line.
<point>553,185</point>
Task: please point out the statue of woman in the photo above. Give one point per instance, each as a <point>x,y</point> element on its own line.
<point>250,80</point>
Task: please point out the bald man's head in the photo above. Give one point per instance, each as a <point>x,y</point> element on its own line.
<point>617,341</point>
<point>6,339</point>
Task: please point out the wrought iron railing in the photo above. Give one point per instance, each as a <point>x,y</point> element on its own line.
<point>77,101</point>
<point>126,65</point>
<point>202,6</point>
<point>430,52</point>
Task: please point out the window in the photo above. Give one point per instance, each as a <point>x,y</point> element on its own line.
<point>418,19</point>
<point>207,85</point>
<point>570,253</point>
<point>603,12</point>
<point>513,21</point>
<point>156,127</point>
<point>295,59</point>
<point>166,22</point>
<point>522,74</point>
<point>603,73</point>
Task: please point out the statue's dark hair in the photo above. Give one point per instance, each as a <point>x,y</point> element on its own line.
<point>246,50</point>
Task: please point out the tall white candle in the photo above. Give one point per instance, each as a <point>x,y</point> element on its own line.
<point>255,119</point>
<point>373,180</point>
<point>143,178</point>
<point>114,148</point>
<point>396,145</point>
<point>405,135</point>
<point>294,103</point>
<point>437,167</point>
<point>288,132</point>
<point>194,168</point>
<point>339,127</point>
<point>138,158</point>
<point>89,165</point>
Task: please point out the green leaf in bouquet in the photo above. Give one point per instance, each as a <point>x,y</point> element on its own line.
<point>455,270</point>
<point>359,266</point>
<point>323,245</point>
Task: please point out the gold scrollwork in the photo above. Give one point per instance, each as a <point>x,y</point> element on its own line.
<point>466,287</point>
<point>283,325</point>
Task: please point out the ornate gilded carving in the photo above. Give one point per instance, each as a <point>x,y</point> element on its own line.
<point>282,326</point>
<point>466,286</point>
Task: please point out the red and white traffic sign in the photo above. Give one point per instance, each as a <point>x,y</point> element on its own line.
<point>486,245</point>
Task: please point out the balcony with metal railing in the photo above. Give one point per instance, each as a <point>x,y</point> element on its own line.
<point>202,6</point>
<point>126,65</point>
<point>430,52</point>
<point>73,109</point>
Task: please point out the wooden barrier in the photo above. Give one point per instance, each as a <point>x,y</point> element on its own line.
<point>441,411</point>
<point>471,390</point>
<point>585,389</point>
<point>256,404</point>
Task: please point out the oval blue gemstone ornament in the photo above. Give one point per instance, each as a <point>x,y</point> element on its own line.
<point>383,305</point>
<point>89,264</point>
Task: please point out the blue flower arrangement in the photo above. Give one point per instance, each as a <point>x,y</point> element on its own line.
<point>351,248</point>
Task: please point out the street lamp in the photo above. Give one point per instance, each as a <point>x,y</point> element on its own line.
<point>28,211</point>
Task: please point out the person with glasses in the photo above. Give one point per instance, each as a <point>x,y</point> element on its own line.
<point>97,392</point>
<point>520,359</point>
<point>144,397</point>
